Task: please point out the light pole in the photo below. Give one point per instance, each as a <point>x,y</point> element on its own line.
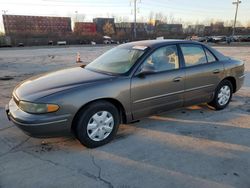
<point>135,3</point>
<point>5,27</point>
<point>76,12</point>
<point>135,16</point>
<point>236,13</point>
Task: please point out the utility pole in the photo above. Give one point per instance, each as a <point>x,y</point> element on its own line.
<point>135,12</point>
<point>73,26</point>
<point>135,16</point>
<point>76,12</point>
<point>236,13</point>
<point>4,13</point>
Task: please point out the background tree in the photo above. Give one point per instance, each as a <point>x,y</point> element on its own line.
<point>151,18</point>
<point>248,24</point>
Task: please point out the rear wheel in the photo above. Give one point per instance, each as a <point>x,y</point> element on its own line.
<point>223,95</point>
<point>97,124</point>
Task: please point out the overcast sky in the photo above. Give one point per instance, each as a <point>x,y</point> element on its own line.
<point>186,10</point>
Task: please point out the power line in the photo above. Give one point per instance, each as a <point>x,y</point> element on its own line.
<point>100,5</point>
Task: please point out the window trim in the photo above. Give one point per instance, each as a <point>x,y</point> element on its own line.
<point>205,48</point>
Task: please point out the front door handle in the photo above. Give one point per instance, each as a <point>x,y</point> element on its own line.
<point>216,71</point>
<point>177,79</point>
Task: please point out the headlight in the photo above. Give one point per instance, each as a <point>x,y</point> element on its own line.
<point>36,108</point>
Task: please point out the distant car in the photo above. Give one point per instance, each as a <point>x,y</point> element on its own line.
<point>127,83</point>
<point>50,42</point>
<point>218,39</point>
<point>196,38</point>
<point>107,40</point>
<point>114,42</point>
<point>20,44</point>
<point>236,38</point>
<point>202,39</point>
<point>209,39</point>
<point>61,42</point>
<point>245,38</point>
<point>199,39</point>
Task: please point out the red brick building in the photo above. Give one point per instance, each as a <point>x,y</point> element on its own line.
<point>16,24</point>
<point>85,28</point>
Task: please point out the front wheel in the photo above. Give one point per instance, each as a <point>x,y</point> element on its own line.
<point>223,95</point>
<point>97,124</point>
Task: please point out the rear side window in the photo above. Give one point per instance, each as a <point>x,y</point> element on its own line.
<point>193,54</point>
<point>210,56</point>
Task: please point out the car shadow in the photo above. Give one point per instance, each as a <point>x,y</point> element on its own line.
<point>194,142</point>
<point>201,121</point>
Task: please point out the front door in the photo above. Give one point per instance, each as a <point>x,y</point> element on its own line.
<point>163,88</point>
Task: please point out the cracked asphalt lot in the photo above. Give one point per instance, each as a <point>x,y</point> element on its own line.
<point>189,147</point>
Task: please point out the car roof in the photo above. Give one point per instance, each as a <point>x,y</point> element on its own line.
<point>156,43</point>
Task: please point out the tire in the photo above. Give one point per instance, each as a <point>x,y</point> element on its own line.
<point>97,124</point>
<point>225,88</point>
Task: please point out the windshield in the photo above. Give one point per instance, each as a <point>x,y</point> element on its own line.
<point>116,60</point>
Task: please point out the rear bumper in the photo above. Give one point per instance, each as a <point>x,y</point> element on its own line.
<point>39,125</point>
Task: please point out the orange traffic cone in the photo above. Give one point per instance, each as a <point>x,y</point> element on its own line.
<point>78,58</point>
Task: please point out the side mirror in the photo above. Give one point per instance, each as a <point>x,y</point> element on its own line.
<point>146,69</point>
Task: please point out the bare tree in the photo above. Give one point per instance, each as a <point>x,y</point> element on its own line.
<point>151,17</point>
<point>239,24</point>
<point>141,19</point>
<point>122,19</point>
<point>171,18</point>
<point>186,24</point>
<point>207,22</point>
<point>248,24</point>
<point>125,18</point>
<point>179,21</point>
<point>229,23</point>
<point>159,16</point>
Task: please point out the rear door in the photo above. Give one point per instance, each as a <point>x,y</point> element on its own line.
<point>161,90</point>
<point>203,73</point>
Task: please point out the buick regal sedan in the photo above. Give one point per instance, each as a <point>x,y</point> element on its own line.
<point>127,83</point>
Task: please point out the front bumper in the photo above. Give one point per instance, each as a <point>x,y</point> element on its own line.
<point>240,82</point>
<point>39,125</point>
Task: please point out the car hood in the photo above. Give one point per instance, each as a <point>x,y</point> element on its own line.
<point>47,84</point>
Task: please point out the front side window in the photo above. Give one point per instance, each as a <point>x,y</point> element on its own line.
<point>163,59</point>
<point>193,54</point>
<point>116,61</point>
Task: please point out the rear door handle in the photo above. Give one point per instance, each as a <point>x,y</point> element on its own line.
<point>216,71</point>
<point>177,79</point>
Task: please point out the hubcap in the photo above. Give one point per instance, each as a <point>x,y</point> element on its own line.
<point>224,95</point>
<point>100,125</point>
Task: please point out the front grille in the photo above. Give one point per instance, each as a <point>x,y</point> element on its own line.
<point>15,99</point>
